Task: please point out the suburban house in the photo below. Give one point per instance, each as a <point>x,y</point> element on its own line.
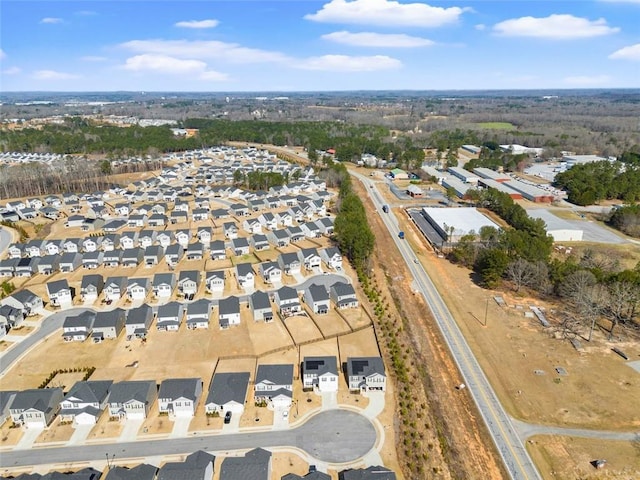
<point>173,254</point>
<point>138,321</point>
<point>252,226</point>
<point>179,396</point>
<point>137,221</point>
<point>204,235</point>
<point>320,373</point>
<point>310,258</point>
<point>219,213</point>
<point>198,314</point>
<point>230,230</point>
<point>215,282</point>
<point>326,225</point>
<point>144,471</point>
<point>239,210</point>
<point>132,399</point>
<point>114,225</point>
<point>343,295</point>
<point>332,258</point>
<point>188,283</point>
<point>317,298</point>
<point>146,238</point>
<point>177,216</point>
<point>138,288</point>
<point>288,302</point>
<point>85,402</point>
<point>92,260</point>
<point>10,317</point>
<point>315,475</point>
<point>6,397</point>
<point>274,384</point>
<point>311,230</point>
<point>271,272</point>
<point>70,261</point>
<point>157,220</point>
<point>108,325</point>
<point>164,239</point>
<point>25,300</point>
<point>152,255</point>
<point>197,466</point>
<point>60,294</point>
<point>78,328</point>
<point>128,240</point>
<point>91,244</point>
<point>279,238</point>
<point>112,258</point>
<point>284,218</point>
<point>268,221</point>
<point>53,247</point>
<point>217,250</point>
<point>295,234</point>
<point>229,311</point>
<point>227,392</point>
<point>289,263</point>
<point>163,284</point>
<point>365,374</point>
<point>49,264</point>
<point>183,237</point>
<point>131,257</point>
<point>259,242</point>
<point>26,267</point>
<point>200,214</point>
<point>114,288</point>
<point>245,276</point>
<point>261,307</point>
<point>8,267</point>
<point>256,465</point>
<point>110,242</point>
<point>72,245</point>
<point>169,317</point>
<point>195,251</point>
<point>36,408</point>
<point>240,246</point>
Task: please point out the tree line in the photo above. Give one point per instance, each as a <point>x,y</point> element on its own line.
<point>593,285</point>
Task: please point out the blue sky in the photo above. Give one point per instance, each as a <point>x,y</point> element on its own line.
<point>304,45</point>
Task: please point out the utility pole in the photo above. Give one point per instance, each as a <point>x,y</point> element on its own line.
<point>486,312</point>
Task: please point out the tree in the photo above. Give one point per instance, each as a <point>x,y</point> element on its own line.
<point>521,273</point>
<point>623,297</point>
<point>586,296</point>
<point>105,167</point>
<point>491,265</point>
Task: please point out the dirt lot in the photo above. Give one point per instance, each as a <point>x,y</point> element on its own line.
<point>570,457</point>
<point>57,432</point>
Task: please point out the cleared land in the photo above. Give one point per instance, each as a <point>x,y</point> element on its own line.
<point>497,125</point>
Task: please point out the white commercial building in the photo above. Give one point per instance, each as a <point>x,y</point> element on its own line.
<point>561,230</point>
<point>453,223</point>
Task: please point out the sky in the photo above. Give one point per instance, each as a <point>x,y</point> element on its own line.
<point>331,45</point>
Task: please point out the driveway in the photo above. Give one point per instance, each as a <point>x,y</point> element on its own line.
<point>334,436</point>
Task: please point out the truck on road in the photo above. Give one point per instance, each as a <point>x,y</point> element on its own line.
<point>385,208</point>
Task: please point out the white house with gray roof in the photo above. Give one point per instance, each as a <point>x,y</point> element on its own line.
<point>261,307</point>
<point>132,399</point>
<point>179,396</point>
<point>198,314</point>
<point>108,325</point>
<point>332,257</point>
<point>169,317</point>
<point>245,276</point>
<point>60,294</point>
<point>215,282</point>
<point>274,384</point>
<point>36,408</point>
<point>78,328</point>
<point>317,298</point>
<point>197,466</point>
<point>227,392</point>
<point>271,272</point>
<point>288,302</point>
<point>228,312</point>
<point>255,465</point>
<point>343,295</point>
<point>85,402</point>
<point>366,374</point>
<point>163,285</point>
<point>320,373</point>
<point>138,321</point>
<point>289,263</point>
<point>188,282</point>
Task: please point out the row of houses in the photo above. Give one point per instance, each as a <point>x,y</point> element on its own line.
<point>137,321</point>
<point>255,464</point>
<point>87,400</point>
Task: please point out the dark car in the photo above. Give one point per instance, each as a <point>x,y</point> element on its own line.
<point>227,417</point>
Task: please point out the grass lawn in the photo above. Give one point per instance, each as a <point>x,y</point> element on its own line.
<point>497,125</point>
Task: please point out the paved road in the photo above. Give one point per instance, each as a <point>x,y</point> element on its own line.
<point>527,430</point>
<point>333,436</point>
<point>510,447</point>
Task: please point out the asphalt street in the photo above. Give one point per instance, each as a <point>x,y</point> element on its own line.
<point>333,436</point>
<point>514,455</point>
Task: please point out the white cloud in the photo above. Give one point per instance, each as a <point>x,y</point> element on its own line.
<point>386,13</point>
<point>198,24</point>
<point>52,75</point>
<point>165,64</point>
<point>370,39</point>
<point>51,20</point>
<point>2,54</point>
<point>93,58</point>
<point>587,80</point>
<point>481,27</point>
<point>11,71</point>
<point>230,52</point>
<point>632,52</point>
<point>559,27</point>
<point>346,63</point>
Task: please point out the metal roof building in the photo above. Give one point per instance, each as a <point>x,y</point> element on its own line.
<point>463,221</point>
<point>561,230</point>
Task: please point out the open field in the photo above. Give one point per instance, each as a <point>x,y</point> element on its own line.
<point>331,323</point>
<point>57,432</point>
<point>302,328</point>
<point>497,125</point>
<point>358,344</point>
<point>570,457</point>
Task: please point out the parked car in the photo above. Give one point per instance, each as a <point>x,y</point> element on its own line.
<point>227,417</point>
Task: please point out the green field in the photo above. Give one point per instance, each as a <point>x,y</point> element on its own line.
<point>497,125</point>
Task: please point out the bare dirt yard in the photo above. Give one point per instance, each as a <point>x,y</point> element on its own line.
<point>571,457</point>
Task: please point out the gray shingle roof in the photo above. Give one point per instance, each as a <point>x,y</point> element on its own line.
<point>255,465</point>
<point>260,300</point>
<point>369,473</point>
<point>227,387</point>
<point>320,365</point>
<point>364,366</point>
<point>122,392</point>
<point>90,391</point>
<point>229,305</point>
<point>193,468</point>
<point>279,374</point>
<point>139,472</point>
<point>179,388</point>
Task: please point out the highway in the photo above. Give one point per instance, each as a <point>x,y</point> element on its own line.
<point>514,455</point>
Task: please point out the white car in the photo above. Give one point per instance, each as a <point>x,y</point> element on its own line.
<point>285,414</point>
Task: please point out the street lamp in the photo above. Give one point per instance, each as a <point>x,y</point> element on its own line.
<point>110,463</point>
